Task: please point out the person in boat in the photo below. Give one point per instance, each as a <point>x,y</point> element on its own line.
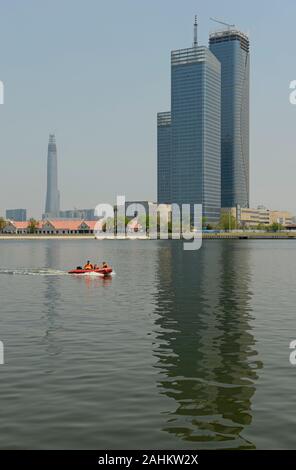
<point>104,265</point>
<point>88,266</point>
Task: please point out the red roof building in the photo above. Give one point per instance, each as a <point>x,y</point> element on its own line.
<point>54,227</point>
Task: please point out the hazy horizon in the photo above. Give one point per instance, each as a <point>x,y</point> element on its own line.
<point>96,73</point>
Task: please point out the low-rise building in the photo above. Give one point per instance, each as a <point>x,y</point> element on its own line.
<point>281,217</point>
<point>15,227</point>
<point>54,227</point>
<point>68,227</point>
<point>248,217</point>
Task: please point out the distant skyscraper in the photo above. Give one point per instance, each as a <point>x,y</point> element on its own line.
<point>52,206</point>
<point>80,214</point>
<point>231,47</point>
<point>164,142</point>
<point>195,152</point>
<point>18,215</point>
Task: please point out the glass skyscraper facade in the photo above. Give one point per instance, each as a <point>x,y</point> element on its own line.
<point>231,47</point>
<point>18,215</point>
<point>164,143</point>
<point>196,124</point>
<point>188,143</point>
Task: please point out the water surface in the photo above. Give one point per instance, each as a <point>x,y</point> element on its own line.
<point>178,350</point>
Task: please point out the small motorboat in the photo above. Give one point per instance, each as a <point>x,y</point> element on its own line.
<point>100,271</point>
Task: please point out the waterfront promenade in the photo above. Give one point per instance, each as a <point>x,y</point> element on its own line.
<point>209,236</point>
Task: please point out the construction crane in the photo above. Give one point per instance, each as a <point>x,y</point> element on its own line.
<point>222,22</point>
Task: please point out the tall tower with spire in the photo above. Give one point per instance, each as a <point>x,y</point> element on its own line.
<point>195,32</point>
<point>52,206</point>
<point>188,143</point>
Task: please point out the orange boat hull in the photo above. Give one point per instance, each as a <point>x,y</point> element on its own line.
<point>103,271</point>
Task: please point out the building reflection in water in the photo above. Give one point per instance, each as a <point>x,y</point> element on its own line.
<point>52,305</point>
<point>55,303</point>
<point>204,344</point>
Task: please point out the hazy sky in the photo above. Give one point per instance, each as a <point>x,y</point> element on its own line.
<point>97,72</point>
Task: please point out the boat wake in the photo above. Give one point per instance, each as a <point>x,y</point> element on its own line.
<point>93,274</point>
<point>32,272</point>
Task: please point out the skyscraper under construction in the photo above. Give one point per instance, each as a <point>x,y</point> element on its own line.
<point>231,47</point>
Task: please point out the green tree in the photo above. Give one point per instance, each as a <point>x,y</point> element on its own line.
<point>209,227</point>
<point>32,226</point>
<point>227,222</point>
<point>2,223</point>
<point>275,227</point>
<point>204,222</point>
<point>146,220</point>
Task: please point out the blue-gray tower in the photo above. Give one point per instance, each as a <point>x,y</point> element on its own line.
<point>196,128</point>
<point>188,137</point>
<point>164,143</point>
<point>231,47</point>
<point>52,206</point>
